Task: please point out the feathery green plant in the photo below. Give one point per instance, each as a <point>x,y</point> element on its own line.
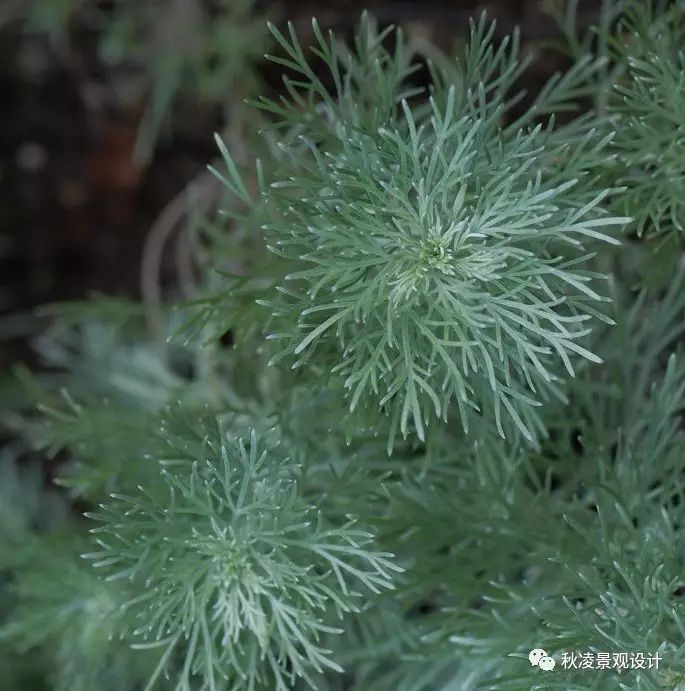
<point>430,253</point>
<point>640,95</point>
<point>650,111</point>
<point>399,257</point>
<point>234,567</point>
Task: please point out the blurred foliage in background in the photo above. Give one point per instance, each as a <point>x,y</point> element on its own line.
<point>205,52</point>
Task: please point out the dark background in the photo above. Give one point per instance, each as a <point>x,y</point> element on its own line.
<point>74,207</point>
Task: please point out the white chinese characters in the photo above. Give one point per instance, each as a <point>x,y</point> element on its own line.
<point>595,660</point>
<point>615,661</point>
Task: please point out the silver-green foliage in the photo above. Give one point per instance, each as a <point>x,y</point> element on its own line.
<point>431,255</point>
<point>236,577</point>
<point>649,112</point>
<point>428,253</point>
<point>575,549</point>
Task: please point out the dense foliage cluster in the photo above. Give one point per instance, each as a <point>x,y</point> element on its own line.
<point>650,111</point>
<point>434,254</point>
<point>448,427</point>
